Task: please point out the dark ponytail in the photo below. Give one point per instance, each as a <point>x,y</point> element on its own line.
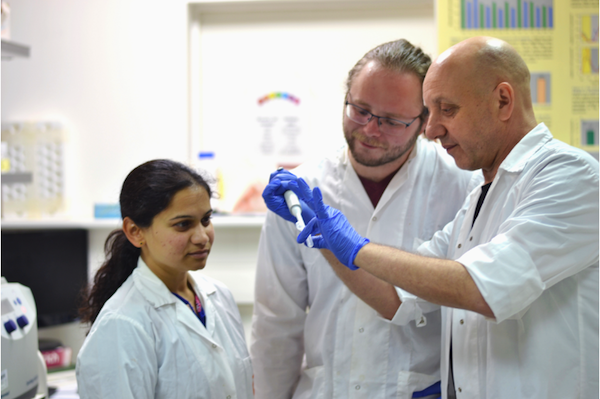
<point>146,191</point>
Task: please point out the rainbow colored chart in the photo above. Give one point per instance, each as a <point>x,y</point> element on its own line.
<point>276,95</point>
<point>507,14</point>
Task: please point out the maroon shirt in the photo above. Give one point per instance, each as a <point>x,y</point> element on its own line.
<point>375,189</point>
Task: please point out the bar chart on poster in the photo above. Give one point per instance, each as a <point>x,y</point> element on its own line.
<point>514,14</point>
<point>559,42</point>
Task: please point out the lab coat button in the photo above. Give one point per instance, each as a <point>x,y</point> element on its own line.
<point>357,387</point>
<point>361,330</point>
<point>214,346</point>
<point>462,321</point>
<point>228,397</point>
<point>459,389</point>
<point>374,218</point>
<point>471,239</point>
<point>459,245</point>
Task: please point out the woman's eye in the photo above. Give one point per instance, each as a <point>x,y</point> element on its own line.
<point>183,224</point>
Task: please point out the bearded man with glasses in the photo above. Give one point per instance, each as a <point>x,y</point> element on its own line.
<point>312,337</point>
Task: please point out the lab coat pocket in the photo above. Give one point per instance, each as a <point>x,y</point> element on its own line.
<point>311,384</point>
<point>409,382</point>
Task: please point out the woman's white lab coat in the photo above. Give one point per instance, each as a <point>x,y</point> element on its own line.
<point>146,343</point>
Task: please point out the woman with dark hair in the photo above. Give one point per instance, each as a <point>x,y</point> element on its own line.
<point>160,329</point>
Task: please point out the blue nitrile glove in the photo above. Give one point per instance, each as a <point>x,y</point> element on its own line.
<point>273,195</point>
<point>337,234</point>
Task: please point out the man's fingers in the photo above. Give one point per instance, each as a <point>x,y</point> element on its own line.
<point>319,206</point>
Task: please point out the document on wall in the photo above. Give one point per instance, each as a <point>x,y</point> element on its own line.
<point>558,39</point>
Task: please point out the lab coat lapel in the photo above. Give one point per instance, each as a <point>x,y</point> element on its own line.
<point>399,180</point>
<point>151,287</point>
<point>204,290</point>
<point>351,184</point>
<point>157,293</point>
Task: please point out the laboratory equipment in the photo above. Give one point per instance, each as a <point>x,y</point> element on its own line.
<point>55,271</point>
<point>24,373</point>
<point>33,170</point>
<point>293,203</point>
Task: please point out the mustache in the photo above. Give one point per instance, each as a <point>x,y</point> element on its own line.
<point>368,140</point>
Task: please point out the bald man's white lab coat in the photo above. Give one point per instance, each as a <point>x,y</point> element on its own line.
<point>146,343</point>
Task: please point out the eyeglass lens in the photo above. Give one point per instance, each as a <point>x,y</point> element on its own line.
<point>386,125</point>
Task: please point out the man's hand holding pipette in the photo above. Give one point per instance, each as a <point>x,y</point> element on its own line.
<point>336,233</point>
<point>329,229</point>
<point>273,195</point>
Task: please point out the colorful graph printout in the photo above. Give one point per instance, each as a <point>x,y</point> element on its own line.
<point>540,88</point>
<point>589,28</point>
<point>557,39</point>
<point>503,14</point>
<point>589,132</point>
<point>589,60</point>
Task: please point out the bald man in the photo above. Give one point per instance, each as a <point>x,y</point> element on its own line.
<point>516,271</point>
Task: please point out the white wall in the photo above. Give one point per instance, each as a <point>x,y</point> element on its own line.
<point>115,72</point>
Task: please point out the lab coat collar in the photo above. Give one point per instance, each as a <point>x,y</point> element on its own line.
<point>150,286</point>
<point>400,177</point>
<point>157,293</point>
<point>519,156</point>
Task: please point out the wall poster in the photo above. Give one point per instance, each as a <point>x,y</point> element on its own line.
<point>558,39</point>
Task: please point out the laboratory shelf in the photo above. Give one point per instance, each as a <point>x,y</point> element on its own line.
<point>12,49</point>
<point>99,224</point>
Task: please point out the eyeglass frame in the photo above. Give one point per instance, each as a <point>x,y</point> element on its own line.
<point>406,125</point>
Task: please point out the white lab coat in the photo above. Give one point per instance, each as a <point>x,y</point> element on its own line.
<point>533,253</point>
<point>351,351</point>
<point>146,343</point>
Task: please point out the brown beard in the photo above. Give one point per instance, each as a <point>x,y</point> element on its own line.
<point>390,155</point>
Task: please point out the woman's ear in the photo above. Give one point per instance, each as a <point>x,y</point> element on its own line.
<point>134,234</point>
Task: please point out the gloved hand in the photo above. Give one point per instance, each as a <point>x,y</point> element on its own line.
<point>279,183</point>
<point>337,234</point>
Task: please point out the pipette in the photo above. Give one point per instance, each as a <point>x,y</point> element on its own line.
<point>293,203</point>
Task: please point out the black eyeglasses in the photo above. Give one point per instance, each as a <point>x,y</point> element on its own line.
<point>389,126</point>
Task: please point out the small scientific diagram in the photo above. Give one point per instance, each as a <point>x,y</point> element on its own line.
<point>589,28</point>
<point>507,14</point>
<point>589,60</point>
<point>589,132</point>
<point>276,135</point>
<point>588,44</point>
<point>540,88</point>
<point>279,120</point>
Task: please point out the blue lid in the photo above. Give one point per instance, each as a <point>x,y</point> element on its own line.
<point>206,154</point>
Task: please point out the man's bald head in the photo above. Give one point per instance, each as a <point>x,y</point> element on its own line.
<point>479,101</point>
<point>483,62</point>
